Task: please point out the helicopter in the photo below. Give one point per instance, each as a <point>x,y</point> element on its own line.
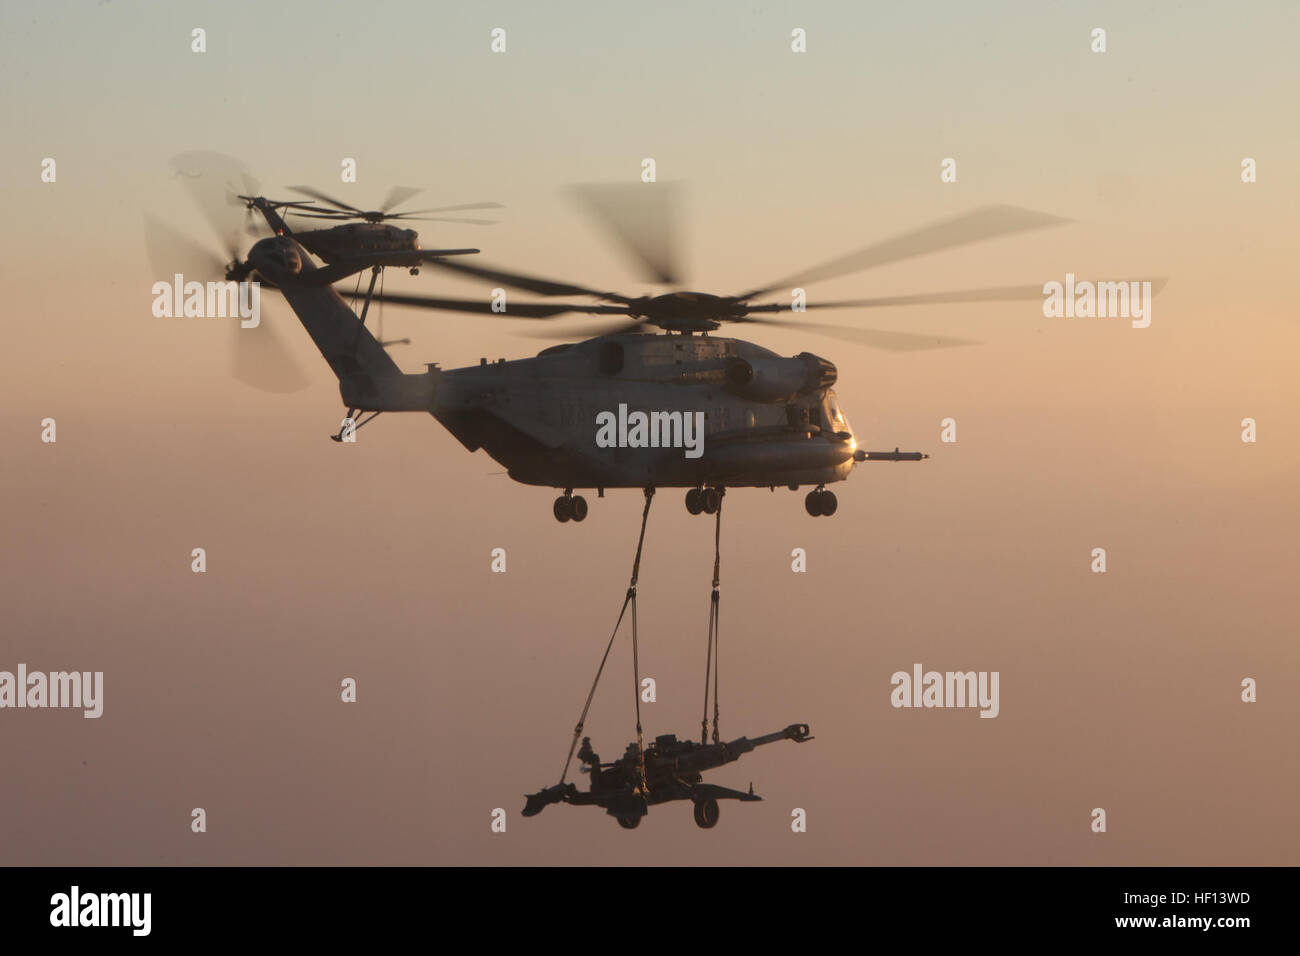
<point>219,184</point>
<point>217,181</point>
<point>617,410</point>
<point>348,248</point>
<point>371,236</point>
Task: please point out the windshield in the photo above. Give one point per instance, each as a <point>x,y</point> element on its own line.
<point>834,415</point>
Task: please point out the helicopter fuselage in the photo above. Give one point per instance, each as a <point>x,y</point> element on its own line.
<point>666,410</point>
<point>357,238</point>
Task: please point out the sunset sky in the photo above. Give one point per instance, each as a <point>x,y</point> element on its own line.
<point>1119,690</point>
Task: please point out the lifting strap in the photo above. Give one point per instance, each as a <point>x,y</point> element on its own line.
<point>711,662</point>
<point>630,599</point>
<point>375,272</point>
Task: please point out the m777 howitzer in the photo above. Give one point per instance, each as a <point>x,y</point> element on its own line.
<point>673,771</point>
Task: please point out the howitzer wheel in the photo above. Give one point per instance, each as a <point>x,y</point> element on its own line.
<point>629,823</point>
<point>695,500</point>
<point>707,813</point>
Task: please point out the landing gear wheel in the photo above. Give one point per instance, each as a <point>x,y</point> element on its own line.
<point>629,823</point>
<point>813,503</point>
<point>712,501</point>
<point>695,500</point>
<point>578,506</point>
<point>563,508</point>
<point>829,503</point>
<point>707,813</point>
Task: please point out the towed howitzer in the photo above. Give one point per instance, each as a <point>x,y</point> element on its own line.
<point>673,771</point>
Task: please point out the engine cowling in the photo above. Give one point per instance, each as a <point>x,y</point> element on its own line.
<point>776,380</point>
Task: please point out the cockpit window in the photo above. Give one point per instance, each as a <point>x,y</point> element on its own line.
<point>834,414</point>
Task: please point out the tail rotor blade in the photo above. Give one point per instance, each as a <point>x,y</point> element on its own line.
<point>251,188</point>
<point>260,358</point>
<point>170,253</point>
<point>214,181</point>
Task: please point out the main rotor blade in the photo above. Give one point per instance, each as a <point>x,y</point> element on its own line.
<point>317,194</point>
<point>643,217</point>
<point>398,195</point>
<point>875,338</point>
<point>471,222</point>
<point>988,222</point>
<point>461,208</point>
<point>1006,293</point>
<point>522,310</point>
<point>1009,293</point>
<point>323,214</point>
<point>518,280</point>
<point>605,328</point>
<point>341,216</point>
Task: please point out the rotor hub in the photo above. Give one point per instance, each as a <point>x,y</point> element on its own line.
<point>687,311</point>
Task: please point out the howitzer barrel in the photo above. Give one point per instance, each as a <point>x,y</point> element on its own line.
<point>708,756</point>
<point>795,732</point>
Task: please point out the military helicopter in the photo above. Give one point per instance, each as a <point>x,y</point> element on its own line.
<point>348,249</point>
<point>626,409</point>
<point>217,182</point>
<point>371,236</point>
<point>220,185</point>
